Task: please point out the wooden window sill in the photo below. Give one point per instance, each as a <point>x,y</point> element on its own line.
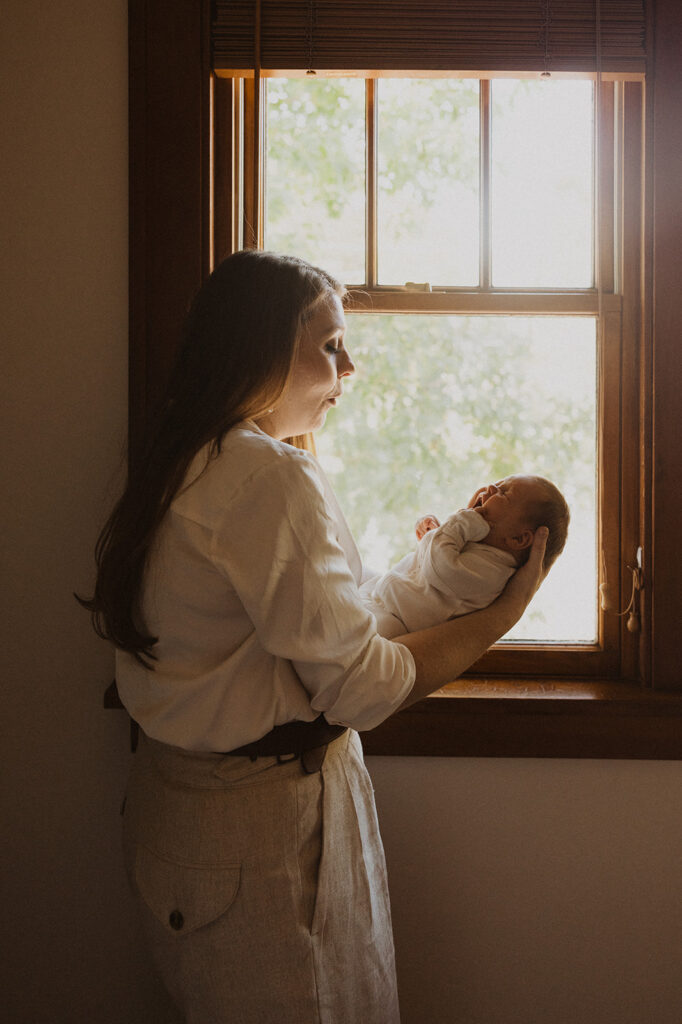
<point>487,717</point>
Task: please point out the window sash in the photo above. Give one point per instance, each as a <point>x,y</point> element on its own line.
<point>239,107</point>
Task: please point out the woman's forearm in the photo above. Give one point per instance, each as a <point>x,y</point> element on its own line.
<point>443,652</point>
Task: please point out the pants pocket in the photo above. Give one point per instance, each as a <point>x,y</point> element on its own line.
<point>184,897</point>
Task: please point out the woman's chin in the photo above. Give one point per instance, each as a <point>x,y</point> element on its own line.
<point>314,423</point>
<point>320,420</point>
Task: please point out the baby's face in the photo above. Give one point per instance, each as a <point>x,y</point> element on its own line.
<point>504,507</point>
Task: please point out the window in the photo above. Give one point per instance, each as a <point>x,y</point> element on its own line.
<point>187,74</point>
<point>463,214</point>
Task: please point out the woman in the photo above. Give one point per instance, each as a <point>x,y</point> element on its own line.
<point>228,581</point>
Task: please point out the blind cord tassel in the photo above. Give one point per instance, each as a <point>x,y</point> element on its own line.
<point>633,622</point>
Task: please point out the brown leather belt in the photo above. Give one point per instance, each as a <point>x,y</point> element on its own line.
<point>307,740</point>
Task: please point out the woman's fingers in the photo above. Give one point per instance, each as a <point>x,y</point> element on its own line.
<point>479,492</point>
<point>526,580</point>
<point>537,551</point>
<point>536,556</point>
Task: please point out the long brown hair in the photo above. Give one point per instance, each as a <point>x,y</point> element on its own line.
<point>239,345</point>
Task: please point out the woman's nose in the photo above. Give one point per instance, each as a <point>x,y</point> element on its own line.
<point>345,365</point>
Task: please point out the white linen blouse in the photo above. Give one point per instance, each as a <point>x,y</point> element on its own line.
<point>252,590</point>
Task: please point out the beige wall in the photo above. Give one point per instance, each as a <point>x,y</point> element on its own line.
<point>524,892</point>
<point>534,892</point>
<point>70,950</point>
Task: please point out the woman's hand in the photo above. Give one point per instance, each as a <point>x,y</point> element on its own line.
<point>475,500</point>
<point>526,580</point>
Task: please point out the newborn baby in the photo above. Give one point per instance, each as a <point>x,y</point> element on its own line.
<point>464,564</point>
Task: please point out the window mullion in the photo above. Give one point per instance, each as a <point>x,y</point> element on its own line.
<point>253,163</point>
<point>471,302</point>
<point>604,158</point>
<point>371,143</point>
<point>227,180</point>
<point>635,482</point>
<point>485,275</point>
<point>238,166</point>
<point>610,484</point>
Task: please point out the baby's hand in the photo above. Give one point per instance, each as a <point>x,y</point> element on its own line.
<point>425,524</point>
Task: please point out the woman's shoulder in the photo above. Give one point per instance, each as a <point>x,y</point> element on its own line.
<point>247,451</point>
<point>249,461</point>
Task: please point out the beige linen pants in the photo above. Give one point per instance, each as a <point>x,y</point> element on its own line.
<point>262,890</point>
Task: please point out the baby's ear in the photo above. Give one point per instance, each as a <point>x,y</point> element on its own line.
<point>522,540</point>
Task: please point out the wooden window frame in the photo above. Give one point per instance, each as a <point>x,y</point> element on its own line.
<point>183,177</point>
<point>614,655</point>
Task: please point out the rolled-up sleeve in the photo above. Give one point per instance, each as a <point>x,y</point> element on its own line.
<point>278,546</point>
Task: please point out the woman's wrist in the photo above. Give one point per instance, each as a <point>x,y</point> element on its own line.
<point>510,607</point>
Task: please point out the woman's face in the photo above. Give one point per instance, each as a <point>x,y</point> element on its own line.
<point>316,380</point>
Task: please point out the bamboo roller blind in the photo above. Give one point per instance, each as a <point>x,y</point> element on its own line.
<point>430,35</point>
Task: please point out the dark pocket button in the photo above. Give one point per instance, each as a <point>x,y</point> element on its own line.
<point>176,920</point>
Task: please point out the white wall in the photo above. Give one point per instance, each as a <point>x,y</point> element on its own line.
<point>524,892</point>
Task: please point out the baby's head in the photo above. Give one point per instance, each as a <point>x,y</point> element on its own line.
<point>515,507</point>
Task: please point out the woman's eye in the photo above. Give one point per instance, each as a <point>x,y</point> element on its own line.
<point>332,347</point>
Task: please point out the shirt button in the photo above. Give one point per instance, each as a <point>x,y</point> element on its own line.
<point>176,920</point>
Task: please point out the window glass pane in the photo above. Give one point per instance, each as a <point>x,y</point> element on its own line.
<point>542,183</point>
<point>315,173</point>
<point>441,405</point>
<point>428,181</point>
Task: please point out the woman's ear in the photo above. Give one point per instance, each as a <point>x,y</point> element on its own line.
<point>522,540</point>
